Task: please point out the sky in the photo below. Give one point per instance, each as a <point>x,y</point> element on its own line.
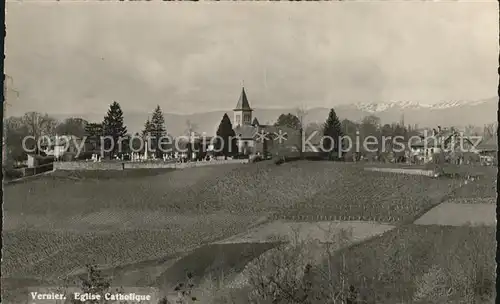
<point>78,57</point>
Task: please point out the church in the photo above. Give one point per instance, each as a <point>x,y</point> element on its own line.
<point>247,128</point>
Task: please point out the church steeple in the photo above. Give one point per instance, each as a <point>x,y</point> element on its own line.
<point>243,104</point>
<point>242,111</point>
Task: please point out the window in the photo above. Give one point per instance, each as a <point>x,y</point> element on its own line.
<point>238,119</point>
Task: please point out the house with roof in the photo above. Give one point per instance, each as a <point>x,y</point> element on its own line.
<point>488,151</point>
<point>450,144</point>
<point>256,138</point>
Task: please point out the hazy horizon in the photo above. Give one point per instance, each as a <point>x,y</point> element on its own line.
<point>69,58</point>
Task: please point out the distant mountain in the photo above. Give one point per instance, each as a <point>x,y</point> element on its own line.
<point>458,114</point>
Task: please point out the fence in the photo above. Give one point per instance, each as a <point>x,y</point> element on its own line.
<point>207,163</point>
<point>87,165</point>
<point>118,165</point>
<point>404,171</point>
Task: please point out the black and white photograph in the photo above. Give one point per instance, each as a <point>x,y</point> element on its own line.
<point>260,152</point>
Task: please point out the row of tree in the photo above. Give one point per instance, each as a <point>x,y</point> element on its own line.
<point>334,128</point>
<point>36,125</point>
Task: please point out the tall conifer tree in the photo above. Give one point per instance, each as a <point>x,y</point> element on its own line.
<point>333,132</point>
<point>113,126</point>
<point>226,142</point>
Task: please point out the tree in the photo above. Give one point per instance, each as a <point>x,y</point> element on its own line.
<point>72,126</point>
<point>15,131</point>
<point>350,129</point>
<point>93,132</point>
<point>191,133</point>
<point>146,134</point>
<point>332,132</point>
<point>226,142</point>
<point>113,126</point>
<point>370,126</point>
<point>39,125</point>
<point>313,127</point>
<point>157,129</point>
<point>135,144</point>
<point>190,127</point>
<point>7,96</point>
<point>93,283</point>
<point>288,120</point>
<point>301,115</point>
<point>148,127</point>
<point>490,130</point>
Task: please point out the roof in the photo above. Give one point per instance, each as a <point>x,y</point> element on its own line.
<point>243,102</point>
<point>255,122</point>
<point>282,135</point>
<point>437,140</point>
<point>245,131</point>
<point>490,144</point>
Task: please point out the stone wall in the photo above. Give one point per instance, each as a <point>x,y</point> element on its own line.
<point>83,165</point>
<point>87,165</point>
<point>209,163</point>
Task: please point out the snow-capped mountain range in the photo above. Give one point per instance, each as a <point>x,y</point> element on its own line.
<point>380,107</point>
<point>454,113</point>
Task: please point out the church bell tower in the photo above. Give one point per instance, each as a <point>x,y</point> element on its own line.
<point>242,111</point>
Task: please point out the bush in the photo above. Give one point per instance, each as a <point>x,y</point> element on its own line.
<point>85,155</point>
<point>279,160</point>
<point>292,273</point>
<point>10,174</point>
<point>313,156</point>
<point>69,156</point>
<point>256,158</point>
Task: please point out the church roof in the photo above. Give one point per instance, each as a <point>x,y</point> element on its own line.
<point>249,132</point>
<point>255,122</point>
<point>243,102</point>
<point>245,131</point>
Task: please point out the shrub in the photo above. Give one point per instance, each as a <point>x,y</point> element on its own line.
<point>291,273</point>
<point>85,155</point>
<point>10,174</point>
<point>279,160</point>
<point>256,158</point>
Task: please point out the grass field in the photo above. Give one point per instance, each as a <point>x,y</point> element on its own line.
<point>319,188</point>
<point>55,224</point>
<point>258,188</point>
<point>53,254</point>
<point>485,187</point>
<point>377,196</point>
